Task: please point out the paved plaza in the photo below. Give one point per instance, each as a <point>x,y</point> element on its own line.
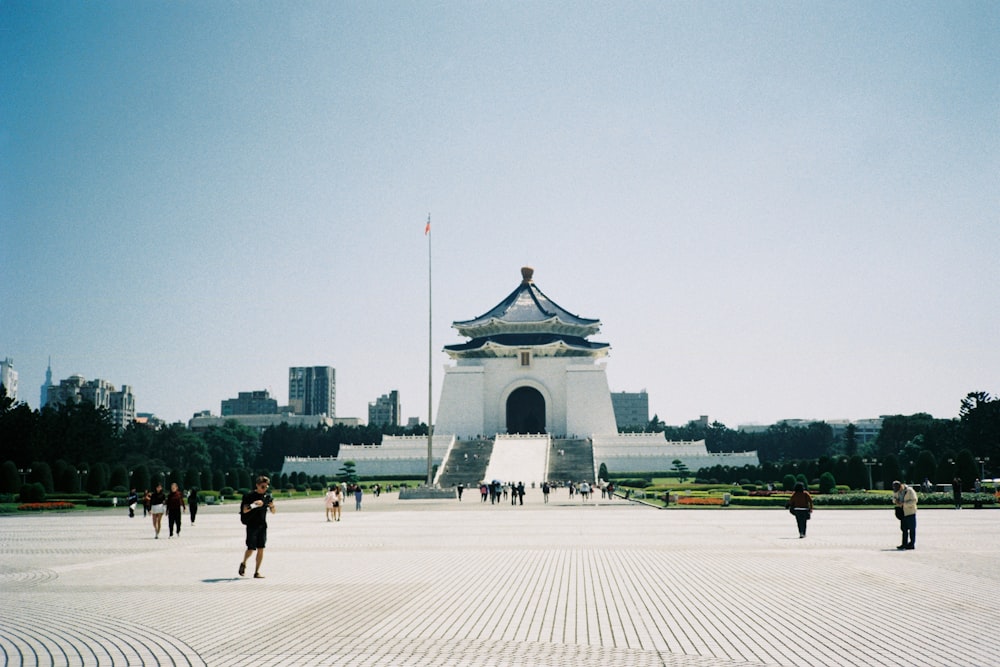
<point>446,583</point>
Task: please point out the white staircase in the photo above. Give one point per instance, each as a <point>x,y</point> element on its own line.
<point>518,458</point>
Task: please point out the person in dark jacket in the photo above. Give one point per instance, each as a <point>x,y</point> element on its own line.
<point>801,505</point>
<point>193,504</point>
<point>175,505</point>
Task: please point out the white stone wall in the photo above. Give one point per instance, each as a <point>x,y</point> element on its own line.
<point>650,452</point>
<point>474,395</point>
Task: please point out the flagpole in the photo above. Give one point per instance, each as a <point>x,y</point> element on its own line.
<point>430,361</point>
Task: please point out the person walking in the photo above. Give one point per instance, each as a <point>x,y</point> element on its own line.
<point>175,505</point>
<point>545,491</point>
<point>157,506</point>
<point>905,499</point>
<point>145,503</point>
<point>193,504</point>
<point>328,502</point>
<point>132,501</point>
<point>956,492</point>
<point>358,494</point>
<point>801,507</point>
<point>254,508</point>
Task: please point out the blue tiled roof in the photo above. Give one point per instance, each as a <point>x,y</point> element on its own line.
<point>524,306</point>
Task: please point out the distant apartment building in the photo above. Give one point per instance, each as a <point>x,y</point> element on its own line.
<point>8,377</point>
<point>250,403</point>
<point>312,390</point>
<point>631,408</point>
<point>385,410</point>
<point>101,393</point>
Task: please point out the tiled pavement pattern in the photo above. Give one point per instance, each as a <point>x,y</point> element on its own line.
<point>447,583</point>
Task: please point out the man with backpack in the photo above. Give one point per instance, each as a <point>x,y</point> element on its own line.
<point>253,514</point>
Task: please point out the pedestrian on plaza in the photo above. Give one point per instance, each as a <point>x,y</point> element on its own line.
<point>157,506</point>
<point>513,493</point>
<point>357,497</point>
<point>611,491</point>
<point>801,507</point>
<point>338,501</point>
<point>132,501</point>
<point>483,491</point>
<point>545,491</point>
<point>956,492</point>
<point>520,493</point>
<point>461,488</point>
<point>193,504</point>
<point>584,491</point>
<point>145,503</point>
<point>254,507</point>
<point>175,505</point>
<point>905,499</point>
<point>328,502</point>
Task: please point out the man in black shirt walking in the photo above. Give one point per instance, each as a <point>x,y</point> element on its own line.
<point>253,512</point>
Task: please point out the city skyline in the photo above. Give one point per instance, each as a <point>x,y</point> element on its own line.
<point>776,211</point>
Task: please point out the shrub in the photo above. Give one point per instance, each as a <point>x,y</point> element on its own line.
<point>100,502</point>
<point>827,483</point>
<point>226,491</point>
<point>32,493</point>
<point>635,483</point>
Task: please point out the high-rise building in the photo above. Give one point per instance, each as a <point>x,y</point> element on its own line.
<point>631,408</point>
<point>46,385</point>
<point>250,403</point>
<point>385,409</point>
<point>8,377</point>
<point>101,393</point>
<point>312,390</point>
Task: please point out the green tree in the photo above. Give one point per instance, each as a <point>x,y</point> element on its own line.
<point>119,478</point>
<point>857,473</point>
<point>348,473</point>
<point>925,468</point>
<point>788,482</point>
<point>602,472</point>
<point>890,471</point>
<point>851,440</point>
<point>827,484</point>
<point>98,478</point>
<point>41,473</point>
<point>10,479</point>
<point>679,469</point>
<point>140,477</point>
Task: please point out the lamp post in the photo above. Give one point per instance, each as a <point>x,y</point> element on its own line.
<point>869,463</point>
<point>24,475</point>
<point>982,461</point>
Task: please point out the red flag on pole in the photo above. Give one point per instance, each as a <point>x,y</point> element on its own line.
<point>427,229</point>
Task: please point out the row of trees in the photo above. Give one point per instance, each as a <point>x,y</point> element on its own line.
<point>973,435</point>
<point>76,447</point>
<point>82,438</point>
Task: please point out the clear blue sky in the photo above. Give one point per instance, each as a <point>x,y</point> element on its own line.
<point>777,210</point>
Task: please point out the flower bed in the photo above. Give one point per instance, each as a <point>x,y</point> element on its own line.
<point>699,500</point>
<point>38,507</point>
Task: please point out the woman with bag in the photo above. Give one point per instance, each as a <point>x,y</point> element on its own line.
<point>801,507</point>
<point>157,506</point>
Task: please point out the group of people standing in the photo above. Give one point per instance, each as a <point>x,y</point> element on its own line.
<point>335,497</point>
<point>157,503</point>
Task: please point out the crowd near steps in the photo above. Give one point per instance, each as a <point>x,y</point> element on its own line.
<point>571,459</point>
<point>467,463</point>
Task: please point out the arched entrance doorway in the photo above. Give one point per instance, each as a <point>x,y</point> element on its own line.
<point>525,411</point>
